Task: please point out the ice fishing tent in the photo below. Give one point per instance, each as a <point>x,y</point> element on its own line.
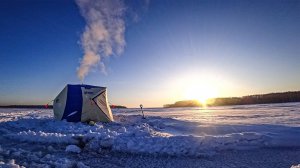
<point>82,103</point>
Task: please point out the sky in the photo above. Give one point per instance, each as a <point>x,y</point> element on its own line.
<point>167,50</point>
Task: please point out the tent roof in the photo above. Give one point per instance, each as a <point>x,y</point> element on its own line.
<point>85,86</point>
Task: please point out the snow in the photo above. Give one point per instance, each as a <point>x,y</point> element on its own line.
<point>82,165</point>
<point>10,164</point>
<point>175,132</point>
<point>73,149</point>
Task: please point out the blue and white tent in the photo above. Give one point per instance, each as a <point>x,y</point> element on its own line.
<point>83,103</point>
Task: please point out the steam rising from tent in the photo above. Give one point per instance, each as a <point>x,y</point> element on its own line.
<point>103,35</point>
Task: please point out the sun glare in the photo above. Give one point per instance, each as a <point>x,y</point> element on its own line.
<point>201,86</point>
<point>200,92</point>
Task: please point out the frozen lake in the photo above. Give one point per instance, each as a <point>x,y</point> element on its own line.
<point>242,116</point>
<point>192,133</point>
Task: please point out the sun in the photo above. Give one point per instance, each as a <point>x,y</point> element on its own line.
<point>202,87</point>
<point>200,92</point>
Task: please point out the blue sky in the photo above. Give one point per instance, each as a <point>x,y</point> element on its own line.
<point>234,47</point>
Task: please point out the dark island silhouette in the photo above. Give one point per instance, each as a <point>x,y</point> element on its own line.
<point>282,97</point>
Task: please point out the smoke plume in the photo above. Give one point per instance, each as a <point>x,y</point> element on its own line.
<point>104,32</point>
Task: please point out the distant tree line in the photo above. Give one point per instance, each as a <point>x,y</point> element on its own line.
<point>184,103</point>
<point>28,106</point>
<point>49,106</point>
<point>117,106</point>
<point>283,97</point>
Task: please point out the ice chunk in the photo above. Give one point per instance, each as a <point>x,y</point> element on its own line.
<point>10,164</point>
<point>48,156</point>
<point>296,166</point>
<point>50,148</point>
<point>107,143</point>
<point>73,149</point>
<point>122,130</point>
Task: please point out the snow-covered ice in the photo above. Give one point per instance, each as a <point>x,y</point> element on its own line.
<point>73,149</point>
<point>171,132</point>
